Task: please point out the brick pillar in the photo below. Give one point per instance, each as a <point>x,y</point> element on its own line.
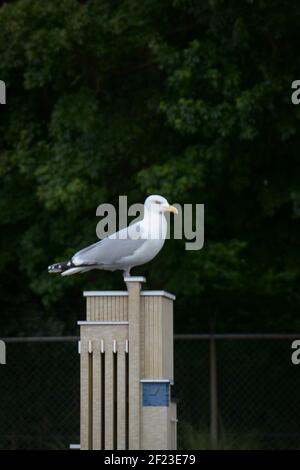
<point>134,317</point>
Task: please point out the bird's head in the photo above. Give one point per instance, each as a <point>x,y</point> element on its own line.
<point>159,205</point>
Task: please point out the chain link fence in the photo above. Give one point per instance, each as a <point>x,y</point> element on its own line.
<point>233,392</point>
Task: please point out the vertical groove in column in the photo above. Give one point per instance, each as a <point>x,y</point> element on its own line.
<point>109,397</point>
<point>115,400</point>
<point>148,345</point>
<point>125,302</point>
<point>98,309</point>
<point>119,307</point>
<point>90,401</point>
<point>104,308</point>
<point>168,353</point>
<point>88,308</point>
<point>171,341</point>
<point>102,359</point>
<point>109,302</point>
<point>127,400</point>
<point>96,396</point>
<point>121,397</point>
<point>159,320</point>
<point>152,326</point>
<point>92,308</point>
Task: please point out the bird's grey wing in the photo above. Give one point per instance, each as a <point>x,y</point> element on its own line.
<point>108,251</point>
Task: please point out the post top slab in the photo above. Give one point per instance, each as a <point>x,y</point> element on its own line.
<point>134,279</point>
<point>121,293</point>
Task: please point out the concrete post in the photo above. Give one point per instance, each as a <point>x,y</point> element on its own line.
<point>134,317</point>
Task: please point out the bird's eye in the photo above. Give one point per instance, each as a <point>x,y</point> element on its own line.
<point>157,202</point>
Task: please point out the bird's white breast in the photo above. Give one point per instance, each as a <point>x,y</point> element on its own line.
<point>153,228</point>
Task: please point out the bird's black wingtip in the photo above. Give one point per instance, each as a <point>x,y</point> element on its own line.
<point>55,268</point>
<point>60,267</point>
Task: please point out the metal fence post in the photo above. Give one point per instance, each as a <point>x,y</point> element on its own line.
<point>213,392</point>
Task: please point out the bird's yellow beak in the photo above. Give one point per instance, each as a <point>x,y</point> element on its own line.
<point>171,209</point>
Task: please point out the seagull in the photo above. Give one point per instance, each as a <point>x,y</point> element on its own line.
<point>132,246</point>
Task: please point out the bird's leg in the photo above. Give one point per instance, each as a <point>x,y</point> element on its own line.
<point>126,273</point>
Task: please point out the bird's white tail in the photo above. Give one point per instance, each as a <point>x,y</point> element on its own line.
<point>68,272</point>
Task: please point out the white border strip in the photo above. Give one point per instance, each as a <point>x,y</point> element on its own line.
<point>102,323</point>
<point>163,293</point>
<point>135,279</point>
<point>155,380</point>
<point>105,293</point>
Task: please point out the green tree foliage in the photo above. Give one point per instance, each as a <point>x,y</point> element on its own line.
<point>184,98</point>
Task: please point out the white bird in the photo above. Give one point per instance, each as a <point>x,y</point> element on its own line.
<point>132,246</point>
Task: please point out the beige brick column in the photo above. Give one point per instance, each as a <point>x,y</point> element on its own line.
<point>126,349</point>
<point>134,336</point>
